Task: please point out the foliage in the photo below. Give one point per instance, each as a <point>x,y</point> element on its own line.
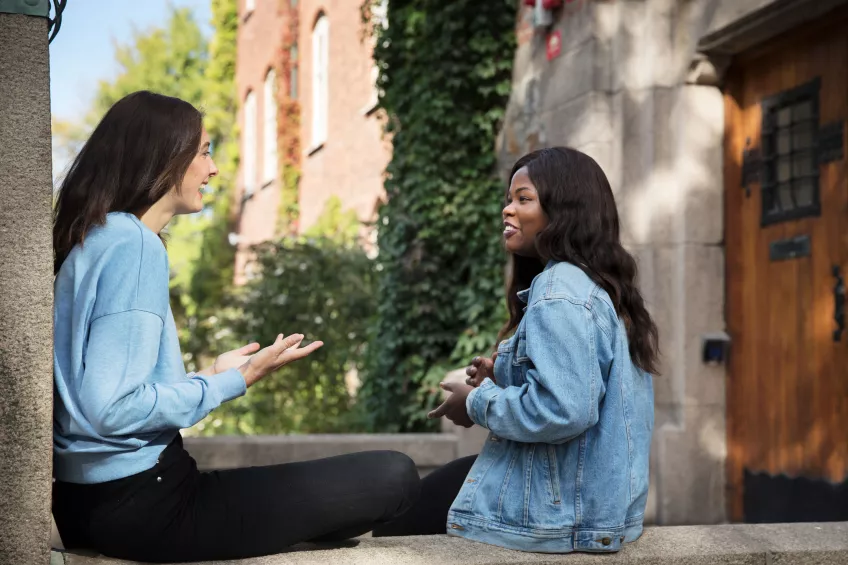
<point>339,225</point>
<point>211,274</point>
<point>288,123</point>
<point>445,71</point>
<point>325,291</point>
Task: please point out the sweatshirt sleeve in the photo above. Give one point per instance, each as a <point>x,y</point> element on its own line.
<point>116,393</point>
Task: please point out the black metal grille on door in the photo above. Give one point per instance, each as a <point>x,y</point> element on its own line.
<point>790,172</point>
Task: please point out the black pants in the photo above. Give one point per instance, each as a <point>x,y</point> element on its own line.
<point>172,512</point>
<point>429,515</point>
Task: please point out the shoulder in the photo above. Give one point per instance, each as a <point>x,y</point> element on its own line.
<point>130,265</point>
<point>565,282</point>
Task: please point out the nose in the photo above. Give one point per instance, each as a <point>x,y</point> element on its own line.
<point>213,169</point>
<point>508,211</point>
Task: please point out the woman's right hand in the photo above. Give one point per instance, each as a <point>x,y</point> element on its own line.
<point>282,352</point>
<point>480,369</point>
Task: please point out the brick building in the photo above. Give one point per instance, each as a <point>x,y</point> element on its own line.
<point>312,57</point>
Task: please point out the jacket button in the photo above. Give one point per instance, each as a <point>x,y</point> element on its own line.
<point>606,541</point>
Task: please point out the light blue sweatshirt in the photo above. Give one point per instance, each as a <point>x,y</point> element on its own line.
<point>121,390</point>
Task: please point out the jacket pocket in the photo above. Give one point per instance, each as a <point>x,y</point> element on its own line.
<point>553,474</point>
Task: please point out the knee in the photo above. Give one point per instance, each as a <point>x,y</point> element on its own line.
<point>400,476</point>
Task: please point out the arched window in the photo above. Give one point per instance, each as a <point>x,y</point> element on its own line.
<point>320,79</point>
<point>249,143</point>
<point>269,138</point>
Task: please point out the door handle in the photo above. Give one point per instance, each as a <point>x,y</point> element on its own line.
<point>838,304</point>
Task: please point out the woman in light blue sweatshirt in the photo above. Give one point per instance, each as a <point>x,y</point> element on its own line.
<point>124,485</point>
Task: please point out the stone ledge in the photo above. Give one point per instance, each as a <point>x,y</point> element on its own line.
<point>228,452</point>
<point>779,544</point>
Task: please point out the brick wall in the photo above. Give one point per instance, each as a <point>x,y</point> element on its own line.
<point>351,162</point>
<point>260,38</point>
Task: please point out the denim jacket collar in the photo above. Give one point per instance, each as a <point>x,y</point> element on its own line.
<point>523,295</point>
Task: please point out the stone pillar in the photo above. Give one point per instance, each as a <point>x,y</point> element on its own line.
<point>26,291</point>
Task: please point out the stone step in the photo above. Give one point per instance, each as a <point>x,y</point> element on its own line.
<point>780,544</point>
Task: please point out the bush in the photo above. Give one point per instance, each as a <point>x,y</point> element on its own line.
<point>317,287</point>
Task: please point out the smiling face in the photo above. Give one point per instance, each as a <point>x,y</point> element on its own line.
<point>188,199</point>
<point>523,216</point>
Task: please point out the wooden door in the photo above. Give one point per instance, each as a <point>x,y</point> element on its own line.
<point>786,229</point>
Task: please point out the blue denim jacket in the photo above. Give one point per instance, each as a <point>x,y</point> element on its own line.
<point>565,466</point>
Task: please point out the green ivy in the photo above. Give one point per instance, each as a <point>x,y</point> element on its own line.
<point>445,75</point>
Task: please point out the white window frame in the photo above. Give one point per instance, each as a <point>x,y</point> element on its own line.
<point>249,134</point>
<point>320,80</point>
<point>269,141</point>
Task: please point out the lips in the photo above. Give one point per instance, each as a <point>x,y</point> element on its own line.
<point>509,230</point>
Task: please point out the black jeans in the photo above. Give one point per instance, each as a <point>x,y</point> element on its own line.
<point>429,515</point>
<point>173,512</point>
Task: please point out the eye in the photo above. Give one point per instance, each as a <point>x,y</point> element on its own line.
<point>523,199</point>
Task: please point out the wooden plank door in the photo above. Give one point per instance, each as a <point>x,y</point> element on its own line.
<point>786,228</point>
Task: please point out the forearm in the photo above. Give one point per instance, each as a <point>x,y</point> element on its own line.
<point>521,414</point>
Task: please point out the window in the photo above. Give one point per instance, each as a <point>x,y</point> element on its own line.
<point>790,183</point>
<point>293,72</point>
<point>269,141</point>
<point>249,144</point>
<point>320,79</point>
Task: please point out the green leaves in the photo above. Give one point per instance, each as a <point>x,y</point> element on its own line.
<point>445,70</point>
<point>320,288</point>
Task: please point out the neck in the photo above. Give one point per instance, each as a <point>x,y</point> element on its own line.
<point>157,216</point>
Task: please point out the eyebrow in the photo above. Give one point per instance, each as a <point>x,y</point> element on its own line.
<point>205,145</point>
<point>519,189</point>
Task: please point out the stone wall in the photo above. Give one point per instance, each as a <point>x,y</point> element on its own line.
<point>790,544</point>
<point>631,89</point>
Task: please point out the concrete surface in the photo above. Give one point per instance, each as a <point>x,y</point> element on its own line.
<point>427,450</point>
<point>785,544</point>
<point>26,291</point>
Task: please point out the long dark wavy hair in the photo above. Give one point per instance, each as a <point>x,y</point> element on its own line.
<point>141,149</point>
<point>583,229</point>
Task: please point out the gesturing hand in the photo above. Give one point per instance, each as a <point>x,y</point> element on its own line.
<point>480,369</point>
<point>453,408</point>
<point>281,352</point>
<point>234,358</point>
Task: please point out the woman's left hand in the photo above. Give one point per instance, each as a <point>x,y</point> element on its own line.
<point>234,358</point>
<point>453,408</point>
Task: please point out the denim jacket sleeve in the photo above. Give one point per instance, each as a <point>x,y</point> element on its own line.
<point>563,386</point>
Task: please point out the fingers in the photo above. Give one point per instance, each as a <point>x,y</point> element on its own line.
<point>450,387</point>
<point>248,349</point>
<point>438,412</point>
<point>471,371</point>
<point>300,353</point>
<point>282,344</point>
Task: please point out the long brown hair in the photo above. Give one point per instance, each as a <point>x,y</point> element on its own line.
<point>583,229</point>
<point>141,148</point>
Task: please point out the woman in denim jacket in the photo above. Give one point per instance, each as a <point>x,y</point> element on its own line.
<point>570,407</point>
